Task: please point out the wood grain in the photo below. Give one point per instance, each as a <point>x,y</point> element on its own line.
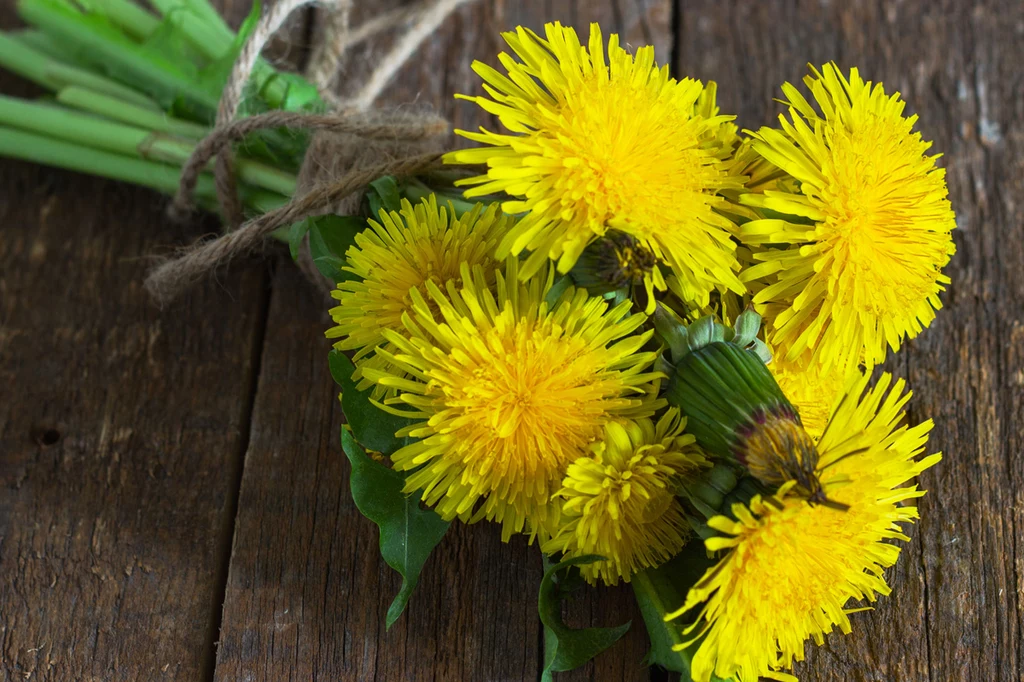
<point>122,430</point>
<point>955,610</point>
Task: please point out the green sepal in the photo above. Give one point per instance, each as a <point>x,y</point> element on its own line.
<point>662,590</point>
<point>372,427</point>
<point>720,387</point>
<point>707,491</point>
<point>589,271</point>
<point>559,287</point>
<point>566,648</point>
<point>408,532</point>
<point>714,492</point>
<point>682,338</point>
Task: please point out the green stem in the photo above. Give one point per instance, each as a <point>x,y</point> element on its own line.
<point>63,75</point>
<point>80,128</point>
<point>26,61</point>
<point>17,144</point>
<point>40,42</point>
<point>26,146</point>
<point>90,131</point>
<point>104,44</point>
<point>206,22</point>
<point>214,39</point>
<point>201,35</point>
<point>644,589</point>
<point>129,16</point>
<point>205,11</point>
<point>115,109</point>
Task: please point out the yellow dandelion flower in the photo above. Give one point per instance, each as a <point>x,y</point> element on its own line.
<point>813,392</point>
<point>597,144</point>
<point>509,389</point>
<point>398,255</point>
<point>791,569</point>
<point>621,502</point>
<point>866,233</point>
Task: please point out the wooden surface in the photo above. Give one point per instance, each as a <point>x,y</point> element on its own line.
<point>173,499</point>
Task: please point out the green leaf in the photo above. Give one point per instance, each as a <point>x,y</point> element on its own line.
<point>384,193</point>
<point>296,232</point>
<point>214,76</point>
<point>330,236</point>
<point>408,532</point>
<point>566,648</point>
<point>300,94</point>
<point>662,590</point>
<point>372,426</point>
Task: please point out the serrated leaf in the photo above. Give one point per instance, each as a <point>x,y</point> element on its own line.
<point>566,648</point>
<point>384,193</point>
<point>408,532</point>
<point>662,590</point>
<point>329,239</point>
<point>372,426</point>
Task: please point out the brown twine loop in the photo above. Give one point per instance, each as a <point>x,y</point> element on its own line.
<point>173,277</point>
<point>344,156</point>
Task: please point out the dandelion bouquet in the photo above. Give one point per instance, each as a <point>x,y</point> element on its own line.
<point>645,339</point>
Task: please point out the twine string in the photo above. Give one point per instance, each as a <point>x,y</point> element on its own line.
<point>355,126</point>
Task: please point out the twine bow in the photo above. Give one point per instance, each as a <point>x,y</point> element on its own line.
<point>353,145</point>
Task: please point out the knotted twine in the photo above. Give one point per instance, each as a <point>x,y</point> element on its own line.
<point>351,146</point>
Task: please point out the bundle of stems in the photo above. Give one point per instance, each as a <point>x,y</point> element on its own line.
<point>131,92</point>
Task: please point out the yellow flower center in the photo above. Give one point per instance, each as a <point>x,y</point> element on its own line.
<point>628,165</point>
<point>871,201</point>
<point>528,399</point>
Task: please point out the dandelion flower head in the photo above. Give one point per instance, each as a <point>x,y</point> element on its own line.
<point>509,389</point>
<point>789,569</point>
<point>605,140</point>
<point>398,255</point>
<point>621,502</point>
<point>855,264</point>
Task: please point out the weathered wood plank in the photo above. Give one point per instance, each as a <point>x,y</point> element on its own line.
<point>307,591</point>
<point>121,433</point>
<point>955,609</point>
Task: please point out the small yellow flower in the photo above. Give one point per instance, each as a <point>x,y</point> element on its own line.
<point>398,255</point>
<point>790,569</point>
<point>621,502</point>
<point>852,261</point>
<point>596,144</point>
<point>508,390</point>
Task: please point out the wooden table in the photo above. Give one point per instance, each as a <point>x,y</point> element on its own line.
<point>173,499</point>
